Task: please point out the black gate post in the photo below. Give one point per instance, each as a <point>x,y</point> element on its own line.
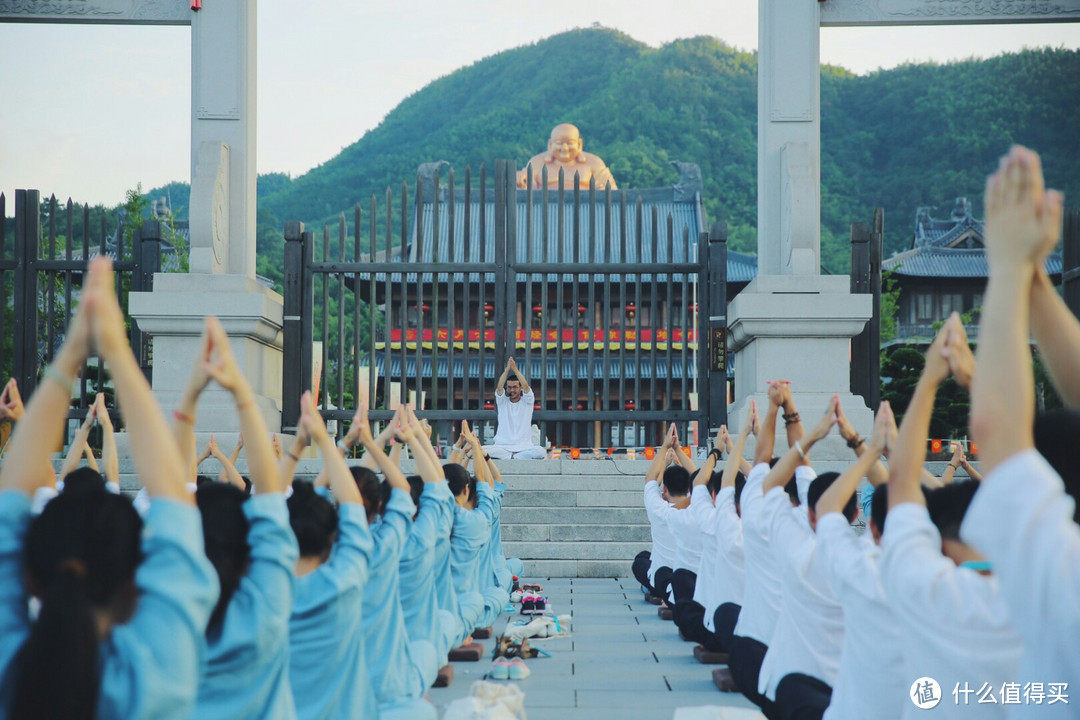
<point>501,204</point>
<point>712,328</point>
<point>298,322</point>
<point>147,255</point>
<point>1070,260</point>
<point>866,280</point>
<point>27,244</point>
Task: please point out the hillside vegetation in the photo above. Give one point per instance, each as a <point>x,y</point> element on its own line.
<point>901,138</point>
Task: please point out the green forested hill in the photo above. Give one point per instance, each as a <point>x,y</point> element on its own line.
<point>914,135</point>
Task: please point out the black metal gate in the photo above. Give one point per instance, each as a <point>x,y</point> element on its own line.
<point>611,302</point>
<point>41,275</point>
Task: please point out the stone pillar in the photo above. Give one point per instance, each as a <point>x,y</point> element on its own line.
<point>222,280</point>
<point>791,323</point>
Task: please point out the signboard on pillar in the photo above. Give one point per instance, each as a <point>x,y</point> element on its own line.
<point>101,12</point>
<point>849,13</point>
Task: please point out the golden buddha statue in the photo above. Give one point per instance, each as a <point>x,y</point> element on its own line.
<point>564,153</point>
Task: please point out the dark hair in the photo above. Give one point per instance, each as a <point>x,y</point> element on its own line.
<point>790,487</point>
<point>740,483</point>
<point>714,482</point>
<point>676,480</point>
<point>201,480</point>
<point>512,377</point>
<point>83,476</point>
<point>384,494</point>
<point>313,520</point>
<point>474,499</point>
<point>457,478</point>
<point>368,484</point>
<point>822,483</point>
<point>879,506</point>
<point>416,487</point>
<point>1055,439</point>
<point>79,555</point>
<point>947,506</point>
<point>225,534</point>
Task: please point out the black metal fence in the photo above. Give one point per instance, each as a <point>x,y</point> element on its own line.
<point>866,248</point>
<point>41,274</point>
<point>611,302</point>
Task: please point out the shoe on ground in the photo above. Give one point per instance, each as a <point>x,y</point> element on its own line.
<point>515,597</point>
<point>518,670</point>
<point>500,669</point>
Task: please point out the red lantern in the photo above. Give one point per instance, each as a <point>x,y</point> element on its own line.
<point>631,310</point>
<point>935,446</point>
<point>538,309</point>
<point>489,405</point>
<point>629,405</point>
<point>536,406</point>
<point>196,5</point>
<point>581,309</point>
<point>575,453</point>
<point>650,452</point>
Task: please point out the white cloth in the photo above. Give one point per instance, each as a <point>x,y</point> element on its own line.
<point>721,575</point>
<point>953,621</point>
<point>1022,520</point>
<point>663,542</point>
<point>688,538</point>
<point>515,421</point>
<point>870,683</point>
<point>810,628</point>
<point>497,452</point>
<point>757,619</point>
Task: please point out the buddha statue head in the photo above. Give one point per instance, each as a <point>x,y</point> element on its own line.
<point>565,144</point>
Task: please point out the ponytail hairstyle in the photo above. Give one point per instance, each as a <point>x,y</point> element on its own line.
<point>225,533</point>
<point>79,557</point>
<point>368,484</point>
<point>416,488</point>
<point>313,520</point>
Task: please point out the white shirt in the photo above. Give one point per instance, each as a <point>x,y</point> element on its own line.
<point>515,421</point>
<point>810,629</point>
<point>1022,520</point>
<point>757,619</point>
<point>688,538</point>
<point>722,574</point>
<point>870,683</point>
<point>953,622</point>
<point>663,552</point>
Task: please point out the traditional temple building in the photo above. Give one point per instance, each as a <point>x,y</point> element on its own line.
<point>945,270</point>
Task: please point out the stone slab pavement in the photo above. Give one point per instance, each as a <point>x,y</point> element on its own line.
<point>620,662</point>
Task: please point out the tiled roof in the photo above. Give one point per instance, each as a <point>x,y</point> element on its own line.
<point>950,263</point>
<point>741,268</point>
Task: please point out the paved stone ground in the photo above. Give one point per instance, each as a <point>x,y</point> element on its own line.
<point>621,661</point>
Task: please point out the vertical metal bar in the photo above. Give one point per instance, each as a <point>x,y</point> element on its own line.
<point>86,259</point>
<point>388,299</point>
<point>466,301</point>
<point>527,311</point>
<point>545,316</point>
<point>876,242</point>
<point>501,341</point>
<point>4,359</point>
<point>509,178</point>
<point>560,241</point>
<point>482,297</point>
<point>622,352</point>
<point>684,343</point>
<point>714,293</point>
<point>605,322</point>
<point>1070,270</point>
<point>590,316</point>
<point>69,240</point>
<point>435,279</point>
<point>403,293</point>
<point>292,385</point>
<point>307,296</point>
<point>356,314</point>
<point>342,233</point>
<point>669,325</point>
<point>575,397</point>
<point>103,249</point>
<point>640,216</point>
<point>50,290</point>
<point>372,302</point>
<point>418,293</point>
<point>860,285</point>
<point>451,301</point>
<point>27,240</point>
<point>324,380</point>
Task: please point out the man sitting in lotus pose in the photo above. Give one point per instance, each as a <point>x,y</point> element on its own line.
<point>514,402</point>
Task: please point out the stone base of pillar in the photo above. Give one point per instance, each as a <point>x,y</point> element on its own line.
<point>251,314</point>
<point>798,328</point>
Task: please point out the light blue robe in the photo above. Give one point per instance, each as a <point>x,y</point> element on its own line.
<point>150,665</point>
<point>327,665</point>
<point>246,673</point>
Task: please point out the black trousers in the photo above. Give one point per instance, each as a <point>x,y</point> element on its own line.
<point>724,620</point>
<point>744,662</point>
<point>640,569</point>
<point>801,697</point>
<point>662,581</point>
<point>689,617</point>
<point>683,583</point>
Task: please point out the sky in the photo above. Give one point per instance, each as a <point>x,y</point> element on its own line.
<point>88,112</point>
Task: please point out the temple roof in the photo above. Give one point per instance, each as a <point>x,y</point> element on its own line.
<point>945,262</point>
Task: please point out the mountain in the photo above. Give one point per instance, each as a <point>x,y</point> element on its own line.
<point>919,134</point>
